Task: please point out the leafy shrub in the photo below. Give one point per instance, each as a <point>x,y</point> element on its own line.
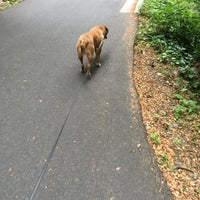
<point>173,29</point>
<point>185,106</point>
<point>176,19</point>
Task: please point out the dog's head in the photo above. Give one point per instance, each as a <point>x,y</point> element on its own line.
<point>105,31</point>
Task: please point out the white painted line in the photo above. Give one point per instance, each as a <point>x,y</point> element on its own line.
<point>127,6</point>
<point>138,6</point>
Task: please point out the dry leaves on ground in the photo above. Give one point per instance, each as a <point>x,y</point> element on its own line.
<point>176,145</point>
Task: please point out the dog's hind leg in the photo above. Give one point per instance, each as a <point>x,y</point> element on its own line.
<point>90,59</point>
<point>98,54</point>
<point>82,65</point>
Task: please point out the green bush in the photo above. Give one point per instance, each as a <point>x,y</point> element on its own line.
<point>176,19</point>
<point>185,106</point>
<point>173,29</point>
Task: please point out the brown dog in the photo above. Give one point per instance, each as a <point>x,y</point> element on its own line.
<point>91,42</point>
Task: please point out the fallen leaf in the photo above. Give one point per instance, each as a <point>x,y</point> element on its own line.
<point>118,168</point>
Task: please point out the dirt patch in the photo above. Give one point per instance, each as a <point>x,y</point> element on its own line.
<point>176,145</point>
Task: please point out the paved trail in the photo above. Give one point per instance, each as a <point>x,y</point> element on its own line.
<point>63,136</point>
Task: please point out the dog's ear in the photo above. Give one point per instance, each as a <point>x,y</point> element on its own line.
<point>106,32</point>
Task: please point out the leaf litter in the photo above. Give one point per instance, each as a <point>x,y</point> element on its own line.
<point>178,147</point>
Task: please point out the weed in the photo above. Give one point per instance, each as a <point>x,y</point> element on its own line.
<point>155,137</point>
<point>185,106</point>
<point>197,191</point>
<point>163,160</point>
<point>177,141</point>
<point>156,117</point>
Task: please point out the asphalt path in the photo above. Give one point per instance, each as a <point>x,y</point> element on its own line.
<point>63,136</point>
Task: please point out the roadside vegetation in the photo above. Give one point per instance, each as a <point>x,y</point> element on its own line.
<point>167,77</point>
<point>7,3</point>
